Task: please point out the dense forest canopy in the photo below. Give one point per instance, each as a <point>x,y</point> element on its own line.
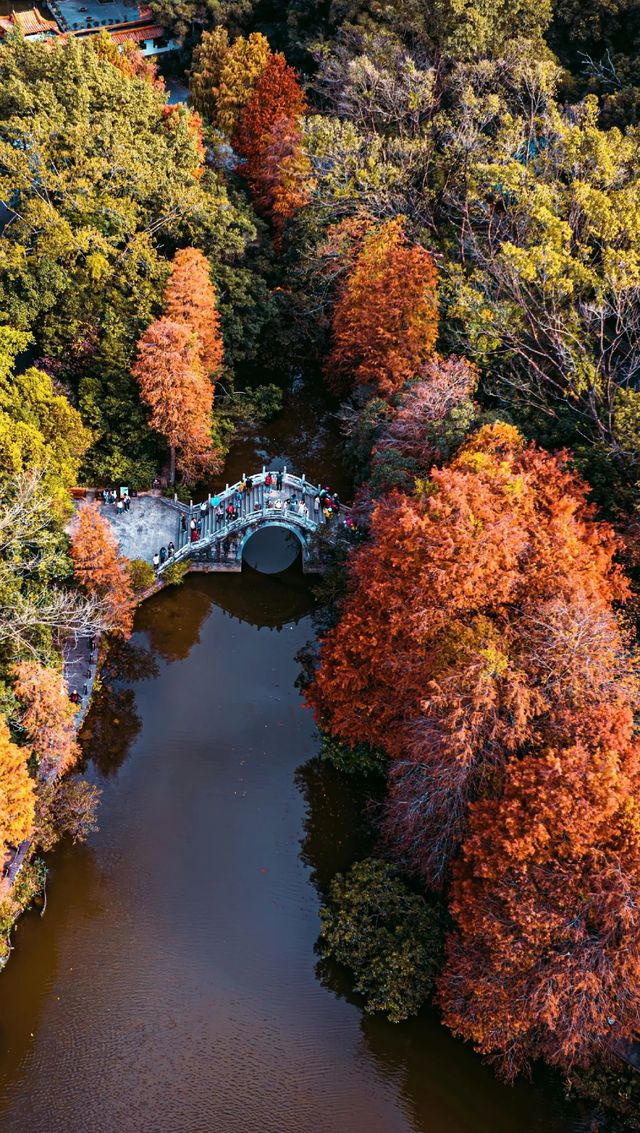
<point>433,208</point>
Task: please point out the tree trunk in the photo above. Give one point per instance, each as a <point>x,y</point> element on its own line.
<point>172,467</point>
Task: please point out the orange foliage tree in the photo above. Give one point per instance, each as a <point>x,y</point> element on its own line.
<point>481,649</point>
<point>179,395</point>
<point>17,803</point>
<point>268,138</point>
<point>127,58</point>
<point>101,570</point>
<point>285,180</point>
<point>385,321</point>
<point>433,660</point>
<point>47,716</point>
<point>545,958</point>
<point>190,298</point>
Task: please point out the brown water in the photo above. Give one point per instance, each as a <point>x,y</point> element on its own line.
<point>172,985</point>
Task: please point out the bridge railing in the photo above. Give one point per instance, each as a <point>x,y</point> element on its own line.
<point>300,483</point>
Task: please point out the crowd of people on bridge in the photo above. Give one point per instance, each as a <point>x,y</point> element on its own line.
<point>160,557</point>
<point>226,509</point>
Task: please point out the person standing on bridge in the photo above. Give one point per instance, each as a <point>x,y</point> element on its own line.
<point>204,508</point>
<point>171,550</point>
<point>163,554</point>
<point>156,560</point>
<point>316,508</point>
<point>183,522</point>
<point>243,495</point>
<point>192,524</point>
<point>279,481</point>
<point>219,514</point>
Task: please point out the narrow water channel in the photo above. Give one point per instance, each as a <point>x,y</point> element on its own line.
<point>172,986</point>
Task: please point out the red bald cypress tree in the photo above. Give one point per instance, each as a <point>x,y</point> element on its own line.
<point>268,139</point>
<point>190,297</point>
<point>385,319</point>
<point>100,569</point>
<point>178,394</point>
<point>437,658</point>
<point>544,961</point>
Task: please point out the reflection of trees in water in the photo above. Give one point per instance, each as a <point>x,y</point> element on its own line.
<point>443,1085</point>
<point>128,661</point>
<point>338,830</point>
<point>174,618</point>
<point>111,727</point>
<point>113,723</point>
<point>338,827</point>
<point>172,622</point>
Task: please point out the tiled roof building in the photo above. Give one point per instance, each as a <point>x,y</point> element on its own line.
<point>33,24</point>
<point>123,19</point>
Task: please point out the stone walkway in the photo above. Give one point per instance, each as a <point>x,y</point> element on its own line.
<point>150,524</point>
<point>79,669</point>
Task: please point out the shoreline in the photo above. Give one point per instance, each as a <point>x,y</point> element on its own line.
<point>92,656</point>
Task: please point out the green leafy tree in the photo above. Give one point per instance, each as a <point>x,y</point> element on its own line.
<point>548,296</point>
<point>204,77</point>
<point>181,17</point>
<point>224,75</point>
<point>457,29</point>
<point>141,574</point>
<point>38,427</point>
<point>102,181</point>
<point>389,937</point>
<point>357,760</point>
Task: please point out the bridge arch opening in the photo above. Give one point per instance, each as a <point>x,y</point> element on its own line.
<point>271,548</point>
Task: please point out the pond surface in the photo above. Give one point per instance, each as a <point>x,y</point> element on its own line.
<point>172,986</point>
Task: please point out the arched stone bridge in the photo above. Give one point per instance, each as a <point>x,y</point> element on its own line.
<point>221,543</point>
